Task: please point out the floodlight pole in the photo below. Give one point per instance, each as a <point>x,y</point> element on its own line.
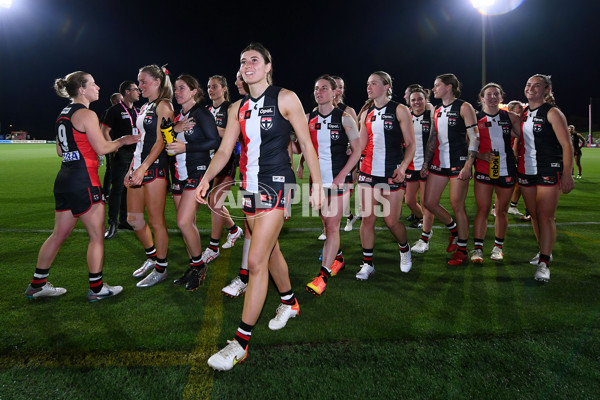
<point>483,78</point>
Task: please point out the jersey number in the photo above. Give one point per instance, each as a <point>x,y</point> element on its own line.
<point>62,138</point>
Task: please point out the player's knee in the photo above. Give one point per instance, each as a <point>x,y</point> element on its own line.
<point>136,220</point>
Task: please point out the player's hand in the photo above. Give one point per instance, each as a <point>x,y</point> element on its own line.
<point>566,183</point>
<point>202,192</point>
<point>177,147</point>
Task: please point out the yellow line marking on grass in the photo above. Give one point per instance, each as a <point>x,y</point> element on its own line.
<point>200,380</point>
<point>589,239</point>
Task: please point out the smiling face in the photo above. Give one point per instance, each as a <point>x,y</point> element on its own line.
<point>376,88</point>
<point>536,89</point>
<point>253,67</point>
<point>417,102</point>
<point>148,85</point>
<point>323,92</point>
<point>492,97</point>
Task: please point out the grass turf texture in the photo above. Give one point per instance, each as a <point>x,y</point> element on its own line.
<point>486,331</point>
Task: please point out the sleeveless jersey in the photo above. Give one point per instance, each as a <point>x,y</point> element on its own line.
<point>494,135</point>
<point>220,114</point>
<point>422,125</point>
<point>330,141</point>
<point>79,168</point>
<point>147,124</point>
<point>451,149</point>
<point>265,139</point>
<point>200,140</point>
<point>539,146</point>
<point>384,152</point>
<point>342,106</point>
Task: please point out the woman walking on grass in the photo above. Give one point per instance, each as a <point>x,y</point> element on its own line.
<point>265,118</point>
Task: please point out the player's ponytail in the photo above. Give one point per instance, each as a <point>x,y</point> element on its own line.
<point>68,87</point>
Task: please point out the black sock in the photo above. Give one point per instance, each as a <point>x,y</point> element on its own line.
<point>368,256</point>
<point>161,265</point>
<point>96,282</point>
<point>39,278</point>
<point>243,334</point>
<point>151,253</point>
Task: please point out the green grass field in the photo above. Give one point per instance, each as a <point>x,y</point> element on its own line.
<point>481,332</point>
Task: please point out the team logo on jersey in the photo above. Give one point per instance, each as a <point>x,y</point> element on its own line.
<point>266,123</point>
<point>373,118</point>
<point>148,119</point>
<point>335,135</point>
<point>66,110</point>
<point>247,114</point>
<point>537,128</point>
<point>425,127</point>
<point>266,111</point>
<point>317,126</point>
<point>219,122</point>
<point>488,124</point>
<point>451,121</point>
<point>388,125</point>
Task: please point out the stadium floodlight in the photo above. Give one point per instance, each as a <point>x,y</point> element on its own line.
<point>491,7</point>
<point>5,3</point>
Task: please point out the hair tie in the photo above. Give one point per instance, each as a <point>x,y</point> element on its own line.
<point>164,69</point>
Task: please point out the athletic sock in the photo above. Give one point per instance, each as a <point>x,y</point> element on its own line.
<point>96,281</point>
<point>288,297</point>
<point>499,242</point>
<point>339,256</point>
<point>161,265</point>
<point>404,247</point>
<point>461,245</point>
<point>243,334</point>
<point>40,277</point>
<point>425,236</point>
<point>245,252</point>
<point>514,203</point>
<point>244,275</point>
<point>214,244</point>
<point>233,229</point>
<point>151,253</point>
<point>368,256</point>
<point>325,273</point>
<point>196,262</point>
<point>452,228</point>
<point>350,216</point>
<point>478,244</point>
<point>544,258</point>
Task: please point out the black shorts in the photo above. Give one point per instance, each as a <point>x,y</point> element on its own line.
<point>154,173</point>
<point>449,172</point>
<point>269,198</point>
<point>414,176</point>
<point>79,201</point>
<point>502,181</point>
<point>380,182</point>
<point>177,187</point>
<point>339,191</point>
<point>551,179</point>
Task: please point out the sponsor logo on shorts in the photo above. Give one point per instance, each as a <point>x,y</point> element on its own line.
<point>279,179</point>
<point>555,165</point>
<point>247,202</point>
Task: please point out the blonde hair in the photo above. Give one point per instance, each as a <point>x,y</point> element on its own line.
<point>162,74</point>
<point>68,87</point>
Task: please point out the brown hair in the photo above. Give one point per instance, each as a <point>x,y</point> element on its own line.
<point>223,82</point>
<point>486,87</point>
<point>265,55</point>
<point>451,79</point>
<point>193,84</point>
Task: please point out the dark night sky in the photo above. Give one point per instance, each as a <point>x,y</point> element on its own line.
<point>412,40</point>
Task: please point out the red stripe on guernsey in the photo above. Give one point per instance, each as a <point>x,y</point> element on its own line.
<point>89,156</point>
<point>366,166</point>
<point>245,141</point>
<point>314,133</point>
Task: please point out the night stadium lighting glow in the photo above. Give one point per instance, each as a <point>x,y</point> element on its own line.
<point>5,3</point>
<point>495,7</point>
